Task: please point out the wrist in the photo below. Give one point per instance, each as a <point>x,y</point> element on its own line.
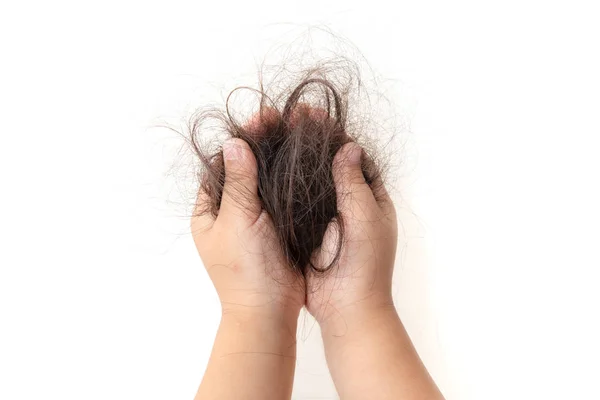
<point>262,305</point>
<point>270,314</point>
<point>255,317</point>
<point>256,333</point>
<point>359,316</point>
<point>371,353</point>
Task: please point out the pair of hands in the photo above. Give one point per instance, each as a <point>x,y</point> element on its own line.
<point>243,259</point>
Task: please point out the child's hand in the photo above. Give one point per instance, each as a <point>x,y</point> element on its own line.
<point>362,279</point>
<point>239,248</point>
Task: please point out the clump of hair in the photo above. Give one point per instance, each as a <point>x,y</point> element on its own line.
<point>294,140</point>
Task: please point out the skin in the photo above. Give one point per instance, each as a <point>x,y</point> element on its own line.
<point>368,351</point>
<point>254,353</point>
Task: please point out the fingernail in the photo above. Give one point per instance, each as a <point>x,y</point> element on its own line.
<point>231,150</point>
<point>355,154</point>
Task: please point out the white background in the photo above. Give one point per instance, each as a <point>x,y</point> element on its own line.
<point>102,294</point>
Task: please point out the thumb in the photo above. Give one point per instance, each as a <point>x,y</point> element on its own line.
<point>239,202</point>
<point>354,196</point>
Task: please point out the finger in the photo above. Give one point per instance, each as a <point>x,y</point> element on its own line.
<point>303,110</point>
<point>354,196</point>
<point>202,216</point>
<point>382,196</point>
<point>258,124</point>
<point>329,252</point>
<point>240,202</point>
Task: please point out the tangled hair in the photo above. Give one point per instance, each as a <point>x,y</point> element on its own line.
<point>294,145</point>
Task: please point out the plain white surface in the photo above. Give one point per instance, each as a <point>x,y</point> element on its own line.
<point>102,294</point>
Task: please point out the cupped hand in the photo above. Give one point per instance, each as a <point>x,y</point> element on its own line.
<point>362,277</point>
<point>239,248</point>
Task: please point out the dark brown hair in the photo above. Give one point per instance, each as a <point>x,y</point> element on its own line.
<point>294,142</point>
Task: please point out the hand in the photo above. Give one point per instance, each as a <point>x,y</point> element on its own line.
<point>362,278</point>
<point>239,248</point>
<point>368,351</point>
